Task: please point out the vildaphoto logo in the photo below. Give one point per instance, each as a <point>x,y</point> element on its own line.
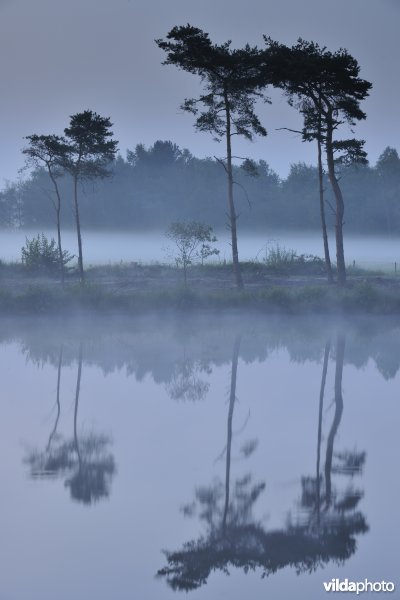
<point>358,587</point>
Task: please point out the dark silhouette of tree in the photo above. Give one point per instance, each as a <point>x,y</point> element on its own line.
<point>326,86</point>
<point>90,152</point>
<point>231,87</point>
<point>50,151</point>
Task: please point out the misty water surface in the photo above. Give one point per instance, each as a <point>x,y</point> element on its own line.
<point>113,247</point>
<point>145,457</point>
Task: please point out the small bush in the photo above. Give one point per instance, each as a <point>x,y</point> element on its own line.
<point>193,243</point>
<point>282,260</point>
<point>41,254</point>
<point>279,255</point>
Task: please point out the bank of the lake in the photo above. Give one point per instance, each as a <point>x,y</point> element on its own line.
<point>292,289</point>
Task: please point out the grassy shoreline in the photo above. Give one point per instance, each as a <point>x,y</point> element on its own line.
<point>131,287</point>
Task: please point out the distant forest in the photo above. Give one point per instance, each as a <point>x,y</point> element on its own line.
<point>155,186</point>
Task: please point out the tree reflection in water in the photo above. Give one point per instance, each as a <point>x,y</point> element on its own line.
<point>324,531</point>
<point>185,383</point>
<point>84,460</point>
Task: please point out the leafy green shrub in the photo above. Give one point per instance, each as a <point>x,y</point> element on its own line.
<point>41,254</point>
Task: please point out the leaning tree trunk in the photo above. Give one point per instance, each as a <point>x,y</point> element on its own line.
<point>231,205</point>
<point>328,264</point>
<point>341,267</point>
<point>78,230</point>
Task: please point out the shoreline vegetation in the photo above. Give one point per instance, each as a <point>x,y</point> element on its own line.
<point>296,286</point>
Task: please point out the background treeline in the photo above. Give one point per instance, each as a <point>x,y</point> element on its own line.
<point>154,186</point>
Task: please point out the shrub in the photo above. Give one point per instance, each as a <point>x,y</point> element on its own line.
<point>193,243</point>
<point>283,260</point>
<point>41,254</point>
<point>277,256</point>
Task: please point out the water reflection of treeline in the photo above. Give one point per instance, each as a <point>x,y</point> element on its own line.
<point>173,350</point>
<point>324,521</point>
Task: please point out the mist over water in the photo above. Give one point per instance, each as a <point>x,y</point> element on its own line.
<point>147,247</point>
<point>201,436</point>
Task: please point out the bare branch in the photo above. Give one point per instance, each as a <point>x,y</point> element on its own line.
<point>221,162</point>
<point>288,129</point>
<point>245,192</point>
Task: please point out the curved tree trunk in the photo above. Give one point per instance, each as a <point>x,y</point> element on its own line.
<point>52,434</point>
<point>341,267</point>
<point>340,344</point>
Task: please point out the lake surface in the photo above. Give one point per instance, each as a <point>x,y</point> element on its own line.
<point>143,457</point>
<point>113,247</point>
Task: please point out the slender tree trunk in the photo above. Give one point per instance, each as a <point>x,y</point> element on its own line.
<point>77,391</point>
<point>231,205</point>
<point>341,267</point>
<point>232,399</point>
<point>57,400</point>
<point>340,344</point>
<point>58,215</point>
<point>319,438</point>
<point>328,264</point>
<point>184,273</point>
<point>78,230</point>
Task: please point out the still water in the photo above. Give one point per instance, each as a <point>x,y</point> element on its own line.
<point>112,247</point>
<point>228,456</point>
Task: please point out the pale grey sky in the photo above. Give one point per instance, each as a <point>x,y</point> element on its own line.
<point>58,58</point>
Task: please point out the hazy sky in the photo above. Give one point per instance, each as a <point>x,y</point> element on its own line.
<point>60,57</point>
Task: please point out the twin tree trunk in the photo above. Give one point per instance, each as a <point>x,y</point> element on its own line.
<point>231,205</point>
